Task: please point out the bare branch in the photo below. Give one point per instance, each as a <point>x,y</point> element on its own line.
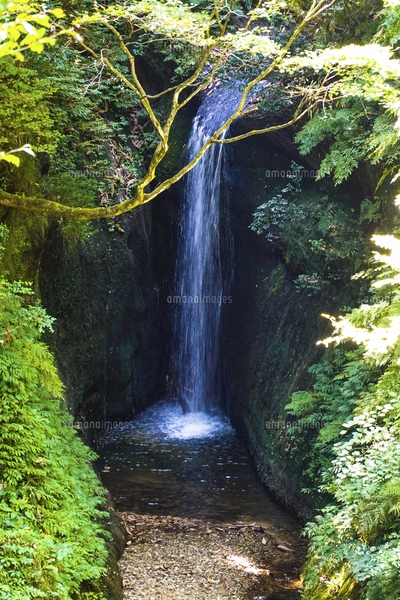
<point>142,94</point>
<point>50,207</point>
<point>270,129</point>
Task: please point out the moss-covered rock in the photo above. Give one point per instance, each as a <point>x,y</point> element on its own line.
<point>106,340</point>
<point>272,328</point>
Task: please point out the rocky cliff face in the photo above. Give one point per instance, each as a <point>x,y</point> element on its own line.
<point>272,329</point>
<point>107,339</point>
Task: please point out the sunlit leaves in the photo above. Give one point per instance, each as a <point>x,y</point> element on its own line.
<point>173,19</point>
<point>22,28</point>
<point>253,42</point>
<point>10,158</point>
<point>378,59</point>
<point>358,102</point>
<point>24,112</point>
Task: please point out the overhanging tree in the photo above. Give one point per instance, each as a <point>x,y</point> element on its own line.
<point>211,43</point>
<point>354,87</point>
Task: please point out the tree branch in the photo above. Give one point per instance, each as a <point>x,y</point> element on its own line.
<point>50,207</point>
<point>175,178</point>
<point>270,129</point>
<point>142,94</point>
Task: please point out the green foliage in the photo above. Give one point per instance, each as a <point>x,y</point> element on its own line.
<point>51,538</point>
<point>24,113</point>
<point>84,126</point>
<point>27,236</point>
<point>23,27</point>
<point>355,131</point>
<point>339,380</point>
<point>319,237</point>
<point>199,44</point>
<point>89,109</point>
<point>355,541</point>
<point>389,34</point>
<point>357,20</point>
<point>348,127</point>
<point>380,211</point>
<point>356,95</point>
<point>102,133</point>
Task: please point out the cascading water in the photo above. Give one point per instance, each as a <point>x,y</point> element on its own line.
<point>166,467</point>
<point>201,280</point>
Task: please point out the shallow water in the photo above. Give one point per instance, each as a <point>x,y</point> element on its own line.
<point>193,465</point>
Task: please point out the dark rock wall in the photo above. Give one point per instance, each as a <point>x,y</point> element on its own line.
<point>112,331</point>
<point>272,329</point>
<point>107,338</point>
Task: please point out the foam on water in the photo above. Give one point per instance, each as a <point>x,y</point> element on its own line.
<point>195,425</point>
<point>166,421</point>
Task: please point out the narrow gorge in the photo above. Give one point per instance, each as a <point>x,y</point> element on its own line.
<point>180,476</point>
<point>192,492</point>
<point>199,300</point>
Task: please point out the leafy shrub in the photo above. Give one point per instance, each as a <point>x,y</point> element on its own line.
<point>355,541</point>
<point>51,538</point>
<point>318,237</point>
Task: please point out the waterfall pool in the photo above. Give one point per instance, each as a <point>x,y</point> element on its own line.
<point>188,465</point>
<point>200,524</point>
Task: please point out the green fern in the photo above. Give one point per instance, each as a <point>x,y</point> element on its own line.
<point>355,540</point>
<point>51,502</point>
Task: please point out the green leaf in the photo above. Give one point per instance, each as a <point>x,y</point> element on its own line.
<point>10,158</point>
<point>57,12</point>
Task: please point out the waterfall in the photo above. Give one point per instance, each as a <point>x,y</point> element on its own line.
<point>201,278</point>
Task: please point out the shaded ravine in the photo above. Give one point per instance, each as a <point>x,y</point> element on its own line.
<point>200,524</point>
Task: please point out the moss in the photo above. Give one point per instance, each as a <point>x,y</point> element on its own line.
<point>275,280</point>
<point>273,363</point>
<point>25,244</point>
<point>273,329</point>
<point>106,332</point>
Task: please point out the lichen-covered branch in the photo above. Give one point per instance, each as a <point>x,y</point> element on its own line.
<point>196,81</point>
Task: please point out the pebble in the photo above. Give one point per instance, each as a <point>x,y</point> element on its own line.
<point>176,558</point>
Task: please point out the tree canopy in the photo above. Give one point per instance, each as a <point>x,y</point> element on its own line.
<point>113,37</point>
<point>349,91</point>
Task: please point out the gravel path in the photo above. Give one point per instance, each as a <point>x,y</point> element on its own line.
<point>169,558</point>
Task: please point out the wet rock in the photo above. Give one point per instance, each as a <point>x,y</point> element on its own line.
<point>272,330</point>
<point>107,339</point>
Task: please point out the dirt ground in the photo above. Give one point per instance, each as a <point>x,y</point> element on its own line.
<point>170,558</point>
